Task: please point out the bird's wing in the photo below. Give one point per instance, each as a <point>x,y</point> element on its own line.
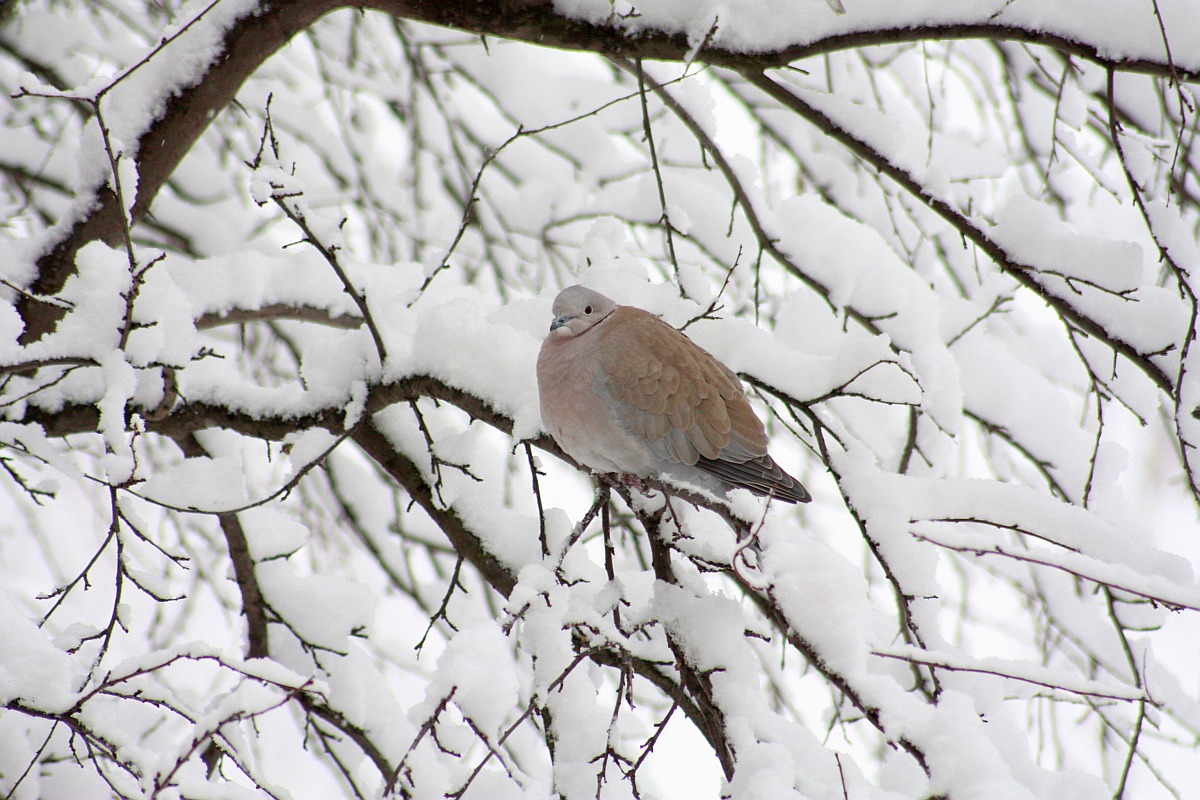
<point>673,395</point>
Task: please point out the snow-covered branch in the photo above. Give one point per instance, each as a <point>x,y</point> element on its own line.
<point>281,515</point>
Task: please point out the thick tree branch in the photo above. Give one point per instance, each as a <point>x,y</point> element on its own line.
<point>253,606</point>
<point>164,144</point>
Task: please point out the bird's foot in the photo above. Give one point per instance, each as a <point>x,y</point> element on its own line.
<point>634,482</point>
<point>625,479</point>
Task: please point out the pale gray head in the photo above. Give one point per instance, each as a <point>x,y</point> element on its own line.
<point>577,309</point>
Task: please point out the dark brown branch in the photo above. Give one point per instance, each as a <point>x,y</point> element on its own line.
<point>535,22</point>
<point>253,605</point>
<point>252,600</point>
<point>350,730</point>
<point>376,444</point>
<point>274,312</point>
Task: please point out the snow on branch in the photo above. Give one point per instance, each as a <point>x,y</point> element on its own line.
<point>281,515</point>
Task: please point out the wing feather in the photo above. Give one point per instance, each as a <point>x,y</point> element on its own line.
<point>667,390</point>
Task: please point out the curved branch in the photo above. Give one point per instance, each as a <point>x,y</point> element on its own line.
<point>376,444</point>
<point>536,22</point>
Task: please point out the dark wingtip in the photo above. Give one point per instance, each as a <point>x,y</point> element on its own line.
<point>760,475</point>
<point>789,491</point>
<point>794,493</point>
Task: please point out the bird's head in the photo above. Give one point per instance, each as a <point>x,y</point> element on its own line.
<point>577,310</point>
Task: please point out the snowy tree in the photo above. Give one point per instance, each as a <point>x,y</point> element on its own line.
<point>281,517</point>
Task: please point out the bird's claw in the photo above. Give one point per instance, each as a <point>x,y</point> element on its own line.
<point>625,479</point>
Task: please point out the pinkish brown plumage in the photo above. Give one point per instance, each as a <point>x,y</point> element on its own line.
<point>624,392</point>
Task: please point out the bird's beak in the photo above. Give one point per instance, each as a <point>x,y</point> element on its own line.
<point>559,322</point>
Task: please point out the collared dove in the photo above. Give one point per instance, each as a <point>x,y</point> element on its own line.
<point>624,392</point>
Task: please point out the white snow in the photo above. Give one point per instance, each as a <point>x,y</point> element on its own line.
<point>997,494</point>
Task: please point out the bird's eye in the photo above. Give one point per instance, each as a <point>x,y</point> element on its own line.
<point>588,311</point>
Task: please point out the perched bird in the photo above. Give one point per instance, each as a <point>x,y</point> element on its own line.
<point>624,392</point>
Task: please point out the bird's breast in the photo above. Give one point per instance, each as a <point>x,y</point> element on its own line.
<point>578,412</point>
